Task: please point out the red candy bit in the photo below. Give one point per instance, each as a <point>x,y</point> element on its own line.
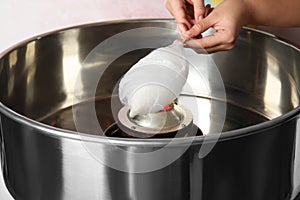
<point>168,107</point>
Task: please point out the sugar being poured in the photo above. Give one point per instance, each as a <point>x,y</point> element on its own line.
<point>155,80</point>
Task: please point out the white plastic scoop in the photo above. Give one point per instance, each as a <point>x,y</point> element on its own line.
<point>155,80</point>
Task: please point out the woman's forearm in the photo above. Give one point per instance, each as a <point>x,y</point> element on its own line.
<point>273,12</point>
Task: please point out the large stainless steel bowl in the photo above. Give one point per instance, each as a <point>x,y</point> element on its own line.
<point>256,156</point>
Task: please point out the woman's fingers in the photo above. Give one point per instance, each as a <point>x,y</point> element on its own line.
<point>214,49</point>
<point>227,19</point>
<point>223,22</point>
<point>182,28</point>
<point>199,10</point>
<point>220,40</point>
<point>200,27</point>
<point>218,48</point>
<point>178,9</point>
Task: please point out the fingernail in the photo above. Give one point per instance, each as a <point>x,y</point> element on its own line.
<point>200,18</point>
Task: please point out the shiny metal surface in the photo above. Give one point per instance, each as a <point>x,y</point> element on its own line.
<point>254,158</point>
<point>161,122</point>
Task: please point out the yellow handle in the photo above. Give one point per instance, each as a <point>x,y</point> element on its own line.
<point>216,2</point>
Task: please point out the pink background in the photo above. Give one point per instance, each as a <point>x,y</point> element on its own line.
<point>20,19</point>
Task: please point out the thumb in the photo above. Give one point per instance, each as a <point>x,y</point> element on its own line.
<point>199,27</point>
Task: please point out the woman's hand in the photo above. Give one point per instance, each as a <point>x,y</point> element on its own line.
<point>186,12</point>
<point>227,20</point>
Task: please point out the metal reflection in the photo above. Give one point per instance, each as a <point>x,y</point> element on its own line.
<point>30,69</point>
<point>10,85</point>
<point>13,58</point>
<point>85,170</point>
<point>201,110</point>
<point>273,87</point>
<point>294,96</point>
<point>71,63</point>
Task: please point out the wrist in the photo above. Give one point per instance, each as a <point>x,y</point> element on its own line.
<point>250,11</point>
<point>241,11</point>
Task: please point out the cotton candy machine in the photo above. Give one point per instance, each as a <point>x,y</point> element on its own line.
<point>232,133</point>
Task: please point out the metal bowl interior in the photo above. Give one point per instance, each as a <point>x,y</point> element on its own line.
<point>38,77</point>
